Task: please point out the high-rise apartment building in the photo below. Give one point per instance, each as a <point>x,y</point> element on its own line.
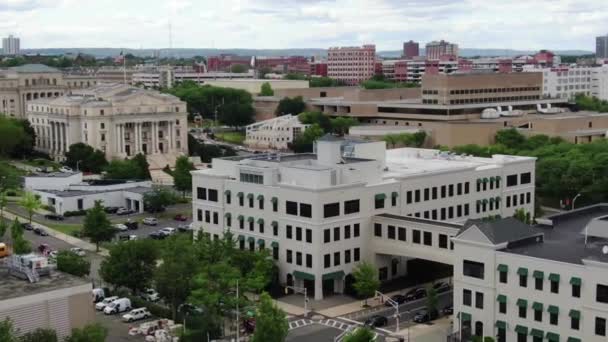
<point>411,49</point>
<point>10,45</point>
<point>437,49</point>
<point>601,46</point>
<point>351,65</point>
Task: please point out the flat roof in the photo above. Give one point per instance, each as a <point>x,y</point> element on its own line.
<point>13,287</point>
<point>53,174</point>
<point>565,241</point>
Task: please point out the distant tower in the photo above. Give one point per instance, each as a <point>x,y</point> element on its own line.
<point>10,46</point>
<point>411,49</point>
<point>601,47</point>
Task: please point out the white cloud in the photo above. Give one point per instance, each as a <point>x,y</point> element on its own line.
<point>523,24</point>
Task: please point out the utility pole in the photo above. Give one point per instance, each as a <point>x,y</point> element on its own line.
<point>238,327</point>
<point>303,290</point>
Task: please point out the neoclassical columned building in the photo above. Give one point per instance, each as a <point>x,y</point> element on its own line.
<point>117,119</point>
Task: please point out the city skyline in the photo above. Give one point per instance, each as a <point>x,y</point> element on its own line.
<point>267,24</point>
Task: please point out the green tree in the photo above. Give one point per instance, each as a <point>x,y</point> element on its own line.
<point>39,335</point>
<point>366,280</point>
<point>3,203</point>
<point>83,157</point>
<point>20,244</point>
<point>294,106</point>
<point>70,262</point>
<point>362,334</point>
<point>25,146</point>
<point>316,82</point>
<point>266,90</point>
<point>7,331</point>
<point>182,178</point>
<point>131,264</point>
<point>96,226</point>
<point>523,216</point>
<point>89,333</point>
<point>3,228</point>
<point>271,323</point>
<point>318,118</point>
<point>30,203</point>
<point>304,142</point>
<point>431,300</point>
<point>134,168</point>
<point>342,124</point>
<point>11,136</point>
<point>510,138</point>
<point>158,199</point>
<point>143,168</point>
<point>174,276</point>
<point>239,68</point>
<point>237,114</point>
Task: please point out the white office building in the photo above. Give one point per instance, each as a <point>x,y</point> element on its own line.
<point>322,213</point>
<point>276,133</point>
<point>10,46</point>
<point>564,81</point>
<point>599,82</point>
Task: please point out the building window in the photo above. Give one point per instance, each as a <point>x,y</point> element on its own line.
<point>601,295</point>
<point>378,230</point>
<point>525,178</point>
<point>428,239</point>
<point>215,217</point>
<point>288,232</point>
<point>347,232</point>
<point>538,314</point>
<point>443,241</point>
<point>357,253</point>
<point>473,269</point>
<point>401,234</point>
<point>336,233</point>
<point>207,216</point>
<point>241,200</point>
<point>250,200</point>
<point>333,209</point>
<point>350,207</point>
<point>337,259</point>
<point>426,194</point>
<point>305,210</point>
<point>503,276</point>
<point>393,200</point>
<point>466,297</point>
<point>434,193</point>
<point>417,196</point>
<point>309,235</point>
<point>416,236</point>
<point>299,258</point>
<point>309,260</point>
<point>379,202</point>
<point>347,256</point>
<point>553,318</point>
<point>356,230</point>
<point>408,197</point>
<point>327,235</point>
<point>511,180</point>
<point>291,208</point>
<point>502,307</point>
<point>554,286</point>
<point>299,233</point>
<point>523,311</point>
<point>479,300</point>
<point>261,203</point>
<point>289,256</point>
<point>327,261</point>
<point>466,187</point>
<point>523,280</point>
<point>391,232</point>
<point>575,322</point>
<point>212,195</point>
<point>538,283</point>
<point>600,326</point>
<point>201,193</point>
<point>443,190</point>
<point>199,215</point>
<point>576,291</point>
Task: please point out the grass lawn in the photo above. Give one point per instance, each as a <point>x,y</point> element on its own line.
<point>65,228</point>
<point>231,137</point>
<point>38,162</point>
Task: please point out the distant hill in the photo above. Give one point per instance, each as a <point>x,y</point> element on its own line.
<point>187,53</point>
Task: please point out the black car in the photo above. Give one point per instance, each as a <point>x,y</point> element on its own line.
<point>155,210</point>
<point>53,217</point>
<point>424,316</point>
<point>27,226</point>
<point>40,231</point>
<point>448,310</point>
<point>441,287</point>
<point>400,299</point>
<point>157,236</point>
<point>415,294</point>
<point>376,321</point>
<point>132,225</point>
<point>110,210</point>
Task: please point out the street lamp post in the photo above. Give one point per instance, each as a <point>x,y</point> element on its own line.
<point>77,163</point>
<point>574,199</point>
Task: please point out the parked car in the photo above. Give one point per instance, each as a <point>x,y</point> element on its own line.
<point>150,295</point>
<point>123,211</point>
<point>125,237</point>
<point>40,231</point>
<point>180,217</point>
<point>424,316</point>
<point>43,248</point>
<point>121,227</point>
<point>118,306</point>
<point>400,299</point>
<point>65,169</point>
<point>376,321</point>
<point>150,221</point>
<point>78,251</point>
<point>110,210</point>
<point>101,305</point>
<point>53,254</point>
<point>448,310</point>
<point>441,287</point>
<point>414,294</point>
<point>27,226</point>
<point>185,228</point>
<point>54,217</point>
<point>132,225</point>
<point>136,315</point>
<point>157,236</point>
<point>167,231</point>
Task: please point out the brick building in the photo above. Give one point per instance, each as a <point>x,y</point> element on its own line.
<point>352,65</point>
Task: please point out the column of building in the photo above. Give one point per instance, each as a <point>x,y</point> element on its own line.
<point>154,137</point>
<point>170,137</point>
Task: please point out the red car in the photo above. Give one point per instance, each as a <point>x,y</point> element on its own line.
<point>180,217</point>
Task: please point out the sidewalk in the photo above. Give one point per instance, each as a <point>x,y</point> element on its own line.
<point>435,332</point>
<point>61,236</point>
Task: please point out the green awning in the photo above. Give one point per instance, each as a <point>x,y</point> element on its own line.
<point>492,179</point>
<point>250,219</point>
<point>274,200</point>
<point>537,333</point>
<point>575,281</point>
<point>537,306</point>
<point>227,215</point>
<point>250,239</point>
<point>522,303</point>
<point>538,274</point>
<point>274,244</point>
<point>303,275</point>
<point>380,197</point>
<point>575,314</point>
<point>502,268</point>
<point>465,317</point>
<point>394,194</point>
<point>240,194</point>
<point>334,275</point>
<point>553,337</point>
<point>249,196</point>
<point>274,224</point>
<point>485,201</point>
<point>574,339</point>
<point>485,180</point>
<point>501,325</point>
<point>498,178</point>
<point>501,298</point>
<point>491,199</point>
<point>522,271</point>
<point>260,221</point>
<point>261,242</point>
<point>520,329</point>
<point>260,197</point>
<point>479,180</point>
<point>478,202</point>
<point>554,277</point>
<point>553,309</point>
<point>498,199</point>
<point>227,192</point>
<point>241,217</point>
<point>241,237</point>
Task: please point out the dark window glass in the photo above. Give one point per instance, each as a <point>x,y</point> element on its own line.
<point>377,229</point>
<point>575,323</point>
<point>299,258</point>
<point>291,208</point>
<point>275,206</point>
<point>309,260</point>
<point>600,326</point>
<point>511,180</point>
<point>379,203</point>
<point>473,269</point>
<point>337,259</point>
<point>241,201</point>
<point>275,230</point>
<point>327,235</point>
<point>288,232</point>
<point>289,256</point>
<point>443,241</point>
<point>299,233</point>
<point>309,235</point>
<point>347,232</point>
<point>538,315</point>
<point>459,189</point>
<point>275,250</point>
<point>523,280</point>
<point>466,187</point>
<point>347,256</point>
<point>451,212</point>
<point>391,232</point>
<point>327,260</point>
<point>479,300</point>
<point>443,191</point>
<point>331,210</point>
<point>417,196</point>
<point>215,218</point>
<point>451,190</point>
<point>212,195</point>
<point>434,196</point>
<point>502,308</point>
<point>525,178</point>
<point>503,277</point>
<point>555,287</point>
<point>351,207</point>
<point>250,202</point>
<point>337,234</point>
<point>305,210</point>
<point>553,320</point>
<point>601,295</point>
<point>416,236</point>
<point>199,215</point>
<point>356,230</point>
<point>228,198</point>
<point>466,209</point>
<point>261,204</point>
<point>467,297</point>
<point>409,197</point>
<point>523,311</point>
<point>428,238</point>
<point>394,201</point>
<point>357,252</point>
<point>538,284</point>
<point>426,194</point>
<point>401,234</point>
<point>201,193</point>
<point>576,291</point>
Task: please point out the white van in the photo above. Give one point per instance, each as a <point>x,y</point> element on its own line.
<point>101,305</point>
<point>98,295</point>
<point>119,305</point>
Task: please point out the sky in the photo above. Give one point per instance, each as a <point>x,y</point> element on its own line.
<point>270,24</point>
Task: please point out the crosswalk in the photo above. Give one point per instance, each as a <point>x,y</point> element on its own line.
<point>335,324</point>
<point>300,323</point>
<point>332,323</point>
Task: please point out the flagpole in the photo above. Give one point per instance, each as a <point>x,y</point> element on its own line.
<point>124,69</point>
